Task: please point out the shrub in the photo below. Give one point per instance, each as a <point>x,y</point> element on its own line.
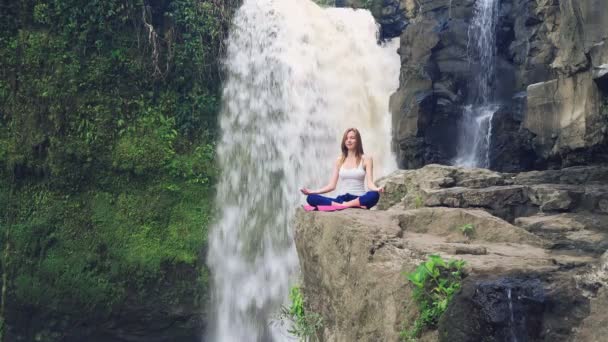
<point>468,230</point>
<point>435,282</point>
<point>303,325</point>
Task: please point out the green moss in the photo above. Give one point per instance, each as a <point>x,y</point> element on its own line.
<point>107,131</point>
<point>84,253</point>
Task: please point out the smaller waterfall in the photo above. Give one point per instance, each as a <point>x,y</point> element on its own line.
<point>475,136</point>
<point>476,125</point>
<point>512,322</point>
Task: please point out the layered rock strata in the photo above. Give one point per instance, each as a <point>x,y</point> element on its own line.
<point>552,83</point>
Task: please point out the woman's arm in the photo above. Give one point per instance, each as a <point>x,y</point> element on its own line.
<point>369,175</point>
<point>331,186</point>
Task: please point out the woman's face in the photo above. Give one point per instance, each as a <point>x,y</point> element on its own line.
<point>351,141</point>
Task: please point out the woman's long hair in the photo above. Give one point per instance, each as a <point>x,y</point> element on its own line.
<point>358,146</point>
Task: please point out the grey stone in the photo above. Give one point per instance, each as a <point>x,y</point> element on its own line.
<point>564,114</point>
<point>603,206</point>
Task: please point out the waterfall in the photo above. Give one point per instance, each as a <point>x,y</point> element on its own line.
<point>297,77</point>
<point>476,124</point>
<point>511,316</point>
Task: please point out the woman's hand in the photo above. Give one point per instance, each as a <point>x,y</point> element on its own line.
<point>381,189</point>
<point>306,191</point>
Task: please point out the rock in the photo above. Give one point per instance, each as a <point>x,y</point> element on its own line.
<point>599,64</point>
<point>426,106</point>
<point>552,52</point>
<point>554,263</point>
<point>468,249</point>
<point>391,15</point>
<point>554,197</point>
<point>603,206</point>
<point>506,202</point>
<point>511,147</point>
<point>514,308</point>
<point>579,232</point>
<point>352,264</point>
<point>411,183</point>
<point>446,222</point>
<point>564,115</point>
<point>576,175</point>
<point>551,223</point>
<point>594,327</point>
<point>504,195</point>
<point>582,26</point>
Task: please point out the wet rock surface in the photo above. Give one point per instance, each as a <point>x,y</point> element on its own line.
<point>514,308</point>
<point>552,89</point>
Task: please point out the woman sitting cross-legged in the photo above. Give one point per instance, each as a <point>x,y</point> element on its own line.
<point>352,168</point>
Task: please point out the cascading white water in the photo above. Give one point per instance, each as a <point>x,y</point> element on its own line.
<point>476,125</point>
<point>298,76</point>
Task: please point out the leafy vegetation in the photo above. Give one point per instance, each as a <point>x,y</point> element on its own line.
<point>435,282</point>
<point>418,202</point>
<point>468,230</point>
<point>302,324</point>
<point>107,130</point>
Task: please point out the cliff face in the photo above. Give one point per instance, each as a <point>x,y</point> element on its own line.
<point>552,67</point>
<point>538,236</point>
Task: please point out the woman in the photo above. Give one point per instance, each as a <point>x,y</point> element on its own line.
<point>352,168</point>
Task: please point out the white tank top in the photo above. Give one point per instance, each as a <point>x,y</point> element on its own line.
<point>352,180</point>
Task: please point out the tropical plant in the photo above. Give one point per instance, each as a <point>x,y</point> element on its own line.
<point>302,324</point>
<point>435,282</point>
<point>468,230</point>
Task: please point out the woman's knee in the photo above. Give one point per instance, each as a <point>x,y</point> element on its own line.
<point>369,199</point>
<point>312,199</point>
<point>375,195</point>
<point>315,200</point>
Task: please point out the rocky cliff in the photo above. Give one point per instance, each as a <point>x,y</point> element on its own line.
<point>536,264</point>
<point>552,83</point>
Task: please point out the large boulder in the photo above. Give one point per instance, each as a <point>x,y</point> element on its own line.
<point>566,118</point>
<point>352,262</point>
<point>408,186</point>
<point>539,278</point>
<point>514,308</point>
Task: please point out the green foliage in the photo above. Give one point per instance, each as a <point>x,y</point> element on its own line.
<point>418,202</point>
<point>303,325</point>
<point>107,140</point>
<point>435,282</point>
<point>82,253</point>
<point>147,145</point>
<point>468,230</point>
